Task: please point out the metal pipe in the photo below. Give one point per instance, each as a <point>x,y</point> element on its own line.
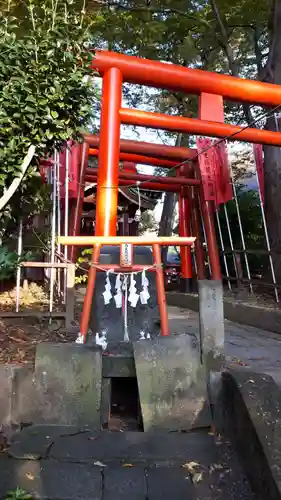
<point>53,232</point>
<point>266,233</point>
<point>230,241</point>
<point>223,248</point>
<point>178,78</point>
<point>66,214</point>
<point>241,229</point>
<point>58,272</point>
<point>199,127</point>
<point>19,267</point>
<point>107,190</point>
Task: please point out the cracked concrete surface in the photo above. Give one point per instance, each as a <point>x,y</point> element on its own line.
<point>61,463</point>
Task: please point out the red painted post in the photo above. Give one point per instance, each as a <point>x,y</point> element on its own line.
<point>196,231</point>
<point>184,230</point>
<point>107,190</point>
<point>87,305</point>
<point>160,284</point>
<point>186,257</point>
<point>76,214</point>
<point>211,108</point>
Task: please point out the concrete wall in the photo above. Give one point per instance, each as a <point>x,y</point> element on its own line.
<point>245,314</point>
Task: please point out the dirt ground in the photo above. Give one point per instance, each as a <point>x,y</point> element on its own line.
<point>19,336</point>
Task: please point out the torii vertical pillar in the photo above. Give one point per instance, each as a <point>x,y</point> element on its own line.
<point>184,230</point>
<point>107,188</point>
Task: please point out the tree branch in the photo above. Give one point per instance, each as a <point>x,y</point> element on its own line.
<point>4,200</point>
<point>225,45</point>
<point>148,9</point>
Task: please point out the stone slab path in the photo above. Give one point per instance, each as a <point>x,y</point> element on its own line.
<point>65,463</point>
<point>249,347</point>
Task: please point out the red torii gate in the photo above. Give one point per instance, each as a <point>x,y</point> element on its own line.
<point>118,68</point>
<point>115,69</point>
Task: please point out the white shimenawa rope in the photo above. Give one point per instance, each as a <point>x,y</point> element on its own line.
<point>138,212</point>
<point>126,333</point>
<point>101,339</point>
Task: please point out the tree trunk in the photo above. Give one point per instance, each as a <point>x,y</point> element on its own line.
<point>272,155</point>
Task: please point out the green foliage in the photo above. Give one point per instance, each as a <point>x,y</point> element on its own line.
<point>18,494</point>
<point>253,231</point>
<point>83,262</point>
<point>250,211</point>
<point>45,94</point>
<point>33,198</point>
<point>10,261</point>
<point>188,32</point>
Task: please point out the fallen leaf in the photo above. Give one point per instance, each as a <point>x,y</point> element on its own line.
<point>190,466</point>
<point>15,339</point>
<point>29,476</point>
<point>197,477</point>
<point>215,467</point>
<point>21,334</point>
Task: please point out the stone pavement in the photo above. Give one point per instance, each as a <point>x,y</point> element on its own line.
<point>259,350</point>
<point>65,463</point>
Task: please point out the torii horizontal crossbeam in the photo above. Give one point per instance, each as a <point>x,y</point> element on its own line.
<point>192,81</point>
<point>199,127</point>
<point>175,153</point>
<point>140,159</point>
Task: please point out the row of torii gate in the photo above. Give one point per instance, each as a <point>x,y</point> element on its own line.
<point>202,178</point>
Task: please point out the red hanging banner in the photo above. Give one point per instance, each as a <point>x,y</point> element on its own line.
<point>44,167</point>
<point>207,167</point>
<point>258,155</point>
<point>129,166</point>
<point>73,170</point>
<point>223,186</point>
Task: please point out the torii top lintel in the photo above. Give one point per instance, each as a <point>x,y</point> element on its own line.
<point>192,81</point>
